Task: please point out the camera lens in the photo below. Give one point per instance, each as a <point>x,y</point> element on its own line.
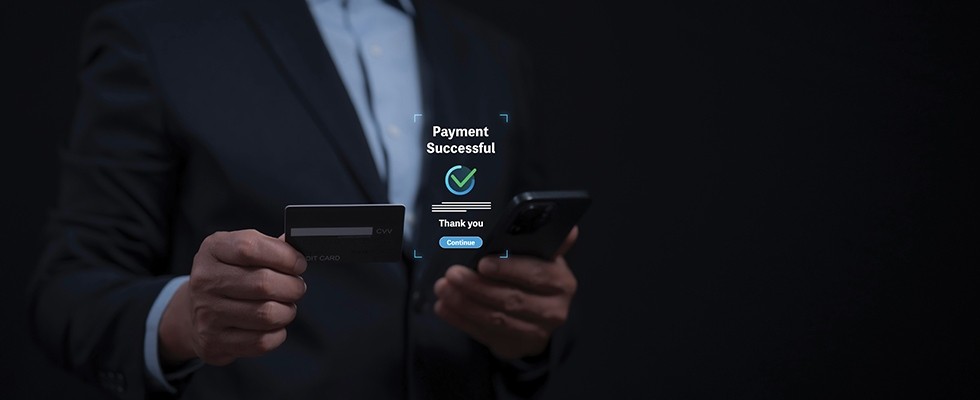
<point>532,218</point>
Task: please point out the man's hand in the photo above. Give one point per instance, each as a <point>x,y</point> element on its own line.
<point>241,295</point>
<point>513,305</point>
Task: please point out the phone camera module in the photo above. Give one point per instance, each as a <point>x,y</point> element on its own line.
<point>531,218</point>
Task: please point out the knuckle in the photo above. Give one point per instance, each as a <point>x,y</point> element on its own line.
<point>200,327</point>
<point>244,246</point>
<point>263,282</point>
<point>268,313</point>
<point>496,318</point>
<point>540,278</point>
<point>514,302</point>
<point>209,241</point>
<point>201,280</point>
<point>263,313</point>
<point>206,342</point>
<point>198,260</point>
<point>288,316</point>
<point>298,263</point>
<point>263,344</point>
<point>196,283</point>
<point>200,270</point>
<point>204,317</point>
<point>559,287</point>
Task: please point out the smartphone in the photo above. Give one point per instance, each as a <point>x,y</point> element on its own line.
<point>535,224</point>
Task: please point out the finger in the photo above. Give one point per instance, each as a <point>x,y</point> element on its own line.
<point>485,319</point>
<point>261,284</point>
<point>248,315</point>
<point>250,248</point>
<point>530,273</point>
<point>569,241</point>
<point>548,311</point>
<point>245,283</point>
<point>503,339</point>
<point>225,345</point>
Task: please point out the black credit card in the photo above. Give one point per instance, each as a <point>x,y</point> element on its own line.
<point>346,233</point>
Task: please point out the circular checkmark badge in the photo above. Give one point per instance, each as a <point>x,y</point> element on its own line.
<point>460,179</point>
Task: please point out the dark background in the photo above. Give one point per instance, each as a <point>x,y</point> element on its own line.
<point>784,193</point>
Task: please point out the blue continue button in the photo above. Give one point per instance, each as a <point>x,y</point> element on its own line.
<point>460,242</point>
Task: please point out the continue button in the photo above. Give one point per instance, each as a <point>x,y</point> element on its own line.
<point>460,242</point>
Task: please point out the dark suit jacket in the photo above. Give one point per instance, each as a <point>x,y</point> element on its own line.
<point>200,116</point>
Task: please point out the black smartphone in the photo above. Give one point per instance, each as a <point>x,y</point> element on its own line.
<point>535,224</point>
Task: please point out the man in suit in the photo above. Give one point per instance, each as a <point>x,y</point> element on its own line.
<point>198,121</point>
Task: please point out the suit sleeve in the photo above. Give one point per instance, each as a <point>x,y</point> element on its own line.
<point>108,239</point>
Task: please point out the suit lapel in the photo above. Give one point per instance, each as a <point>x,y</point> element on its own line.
<point>290,33</point>
<point>441,81</point>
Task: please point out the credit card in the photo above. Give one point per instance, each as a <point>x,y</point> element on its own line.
<point>346,233</point>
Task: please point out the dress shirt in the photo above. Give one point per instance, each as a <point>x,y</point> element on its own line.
<point>372,44</point>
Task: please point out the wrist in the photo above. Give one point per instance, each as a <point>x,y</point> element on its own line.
<point>175,329</point>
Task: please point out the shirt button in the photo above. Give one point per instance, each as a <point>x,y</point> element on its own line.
<point>374,50</point>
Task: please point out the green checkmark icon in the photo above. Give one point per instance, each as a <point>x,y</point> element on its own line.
<point>467,178</point>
